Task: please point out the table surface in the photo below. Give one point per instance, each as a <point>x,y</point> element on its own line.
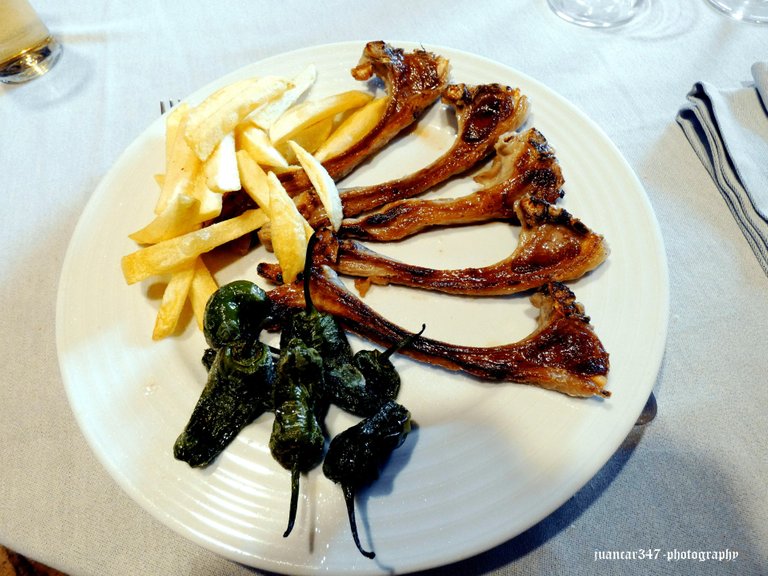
<point>693,479</point>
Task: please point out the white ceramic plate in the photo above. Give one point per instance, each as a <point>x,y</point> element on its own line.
<point>486,461</point>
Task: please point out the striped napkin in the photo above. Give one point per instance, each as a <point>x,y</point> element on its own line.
<point>728,129</point>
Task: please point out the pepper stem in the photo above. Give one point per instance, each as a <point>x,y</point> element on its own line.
<point>403,343</point>
<point>295,474</point>
<point>310,307</point>
<point>349,498</point>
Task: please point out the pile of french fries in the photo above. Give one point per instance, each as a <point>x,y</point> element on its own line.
<point>239,138</point>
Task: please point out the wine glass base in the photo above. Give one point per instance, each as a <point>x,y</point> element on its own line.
<point>595,14</point>
<point>745,10</point>
<point>31,63</point>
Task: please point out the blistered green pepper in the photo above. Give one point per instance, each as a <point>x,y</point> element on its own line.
<point>234,314</point>
<point>356,456</point>
<point>238,390</point>
<point>342,380</point>
<point>297,440</point>
<point>240,373</point>
<point>381,380</point>
<point>316,329</point>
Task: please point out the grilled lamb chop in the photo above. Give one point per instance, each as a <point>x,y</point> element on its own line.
<point>483,112</point>
<point>563,353</point>
<point>524,164</point>
<point>413,81</point>
<point>552,246</point>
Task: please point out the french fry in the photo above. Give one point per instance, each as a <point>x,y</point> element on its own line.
<point>221,112</point>
<point>264,116</point>
<point>181,164</point>
<point>352,129</point>
<point>254,180</point>
<point>170,255</point>
<point>202,287</point>
<point>221,167</point>
<point>309,139</point>
<point>290,231</point>
<point>211,202</point>
<point>310,112</point>
<point>224,144</point>
<point>322,183</point>
<point>179,217</point>
<point>174,297</point>
<point>256,142</point>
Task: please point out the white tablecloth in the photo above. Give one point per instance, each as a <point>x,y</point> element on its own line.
<point>694,479</point>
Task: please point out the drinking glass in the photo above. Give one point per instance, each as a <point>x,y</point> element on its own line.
<point>596,13</point>
<point>748,10</point>
<point>27,48</point>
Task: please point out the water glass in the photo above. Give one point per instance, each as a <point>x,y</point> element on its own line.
<point>27,48</point>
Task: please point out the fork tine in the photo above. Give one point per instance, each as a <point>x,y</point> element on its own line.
<point>166,105</point>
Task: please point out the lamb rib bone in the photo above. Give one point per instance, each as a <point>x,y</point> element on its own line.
<point>413,81</point>
<point>562,354</point>
<point>552,246</point>
<point>524,164</point>
<point>483,113</point>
